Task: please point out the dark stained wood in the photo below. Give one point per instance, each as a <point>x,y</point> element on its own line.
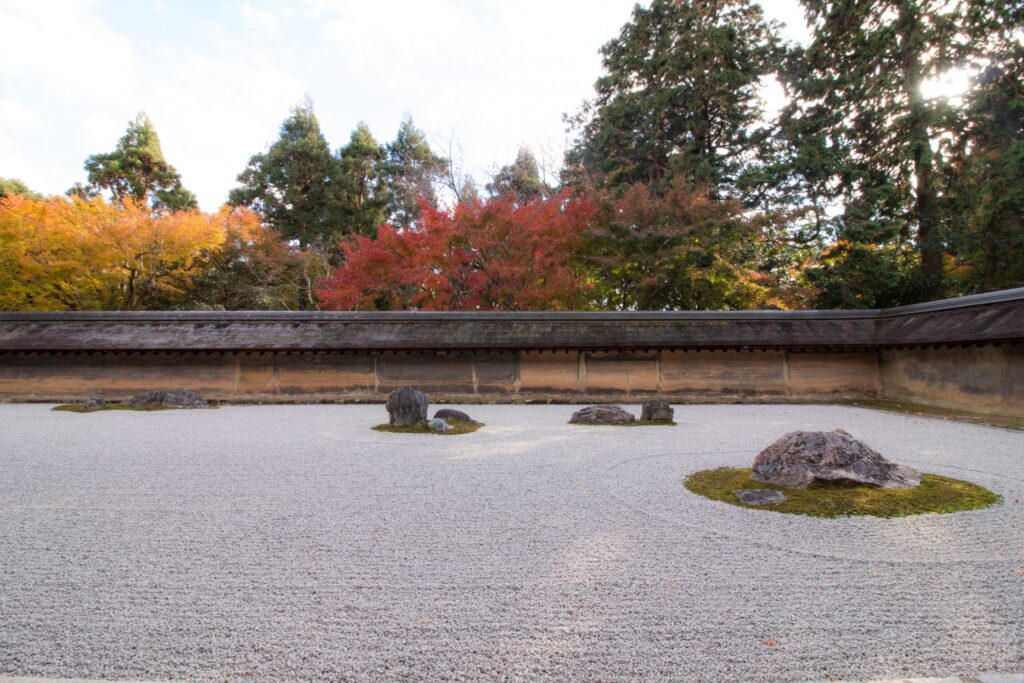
<point>976,319</point>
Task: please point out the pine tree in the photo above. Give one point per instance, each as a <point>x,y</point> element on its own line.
<point>137,170</point>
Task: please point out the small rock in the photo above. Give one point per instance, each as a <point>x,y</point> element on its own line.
<point>759,496</point>
<point>657,410</point>
<point>449,414</point>
<point>407,407</point>
<point>170,398</point>
<point>95,402</point>
<point>601,414</point>
<point>801,459</point>
<point>438,425</point>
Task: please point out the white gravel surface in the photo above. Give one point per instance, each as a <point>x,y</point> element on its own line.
<point>294,543</point>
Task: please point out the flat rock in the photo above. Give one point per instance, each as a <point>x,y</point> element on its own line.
<point>759,496</point>
<point>407,406</point>
<point>801,459</point>
<point>601,414</point>
<point>658,409</point>
<point>168,398</point>
<point>438,425</point>
<point>450,414</point>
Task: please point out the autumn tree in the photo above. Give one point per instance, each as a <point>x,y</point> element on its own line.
<point>682,249</point>
<point>255,269</point>
<point>494,255</point>
<point>78,254</point>
<point>136,171</point>
<point>296,184</point>
<point>679,97</point>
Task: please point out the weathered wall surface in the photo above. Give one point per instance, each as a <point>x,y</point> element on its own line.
<point>961,353</point>
<point>984,378</point>
<point>482,376</point>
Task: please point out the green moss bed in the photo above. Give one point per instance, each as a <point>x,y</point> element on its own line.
<point>457,427</point>
<point>936,494</point>
<point>80,408</point>
<point>635,423</point>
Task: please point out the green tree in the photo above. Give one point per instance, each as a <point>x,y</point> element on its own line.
<point>985,221</point>
<point>13,186</point>
<point>864,133</point>
<point>679,98</point>
<point>137,170</point>
<point>364,195</point>
<point>520,180</point>
<point>412,170</point>
<point>296,184</point>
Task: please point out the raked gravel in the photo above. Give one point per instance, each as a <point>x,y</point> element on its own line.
<point>293,543</point>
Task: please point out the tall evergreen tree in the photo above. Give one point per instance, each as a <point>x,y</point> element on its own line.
<point>520,180</point>
<point>679,98</point>
<point>412,170</point>
<point>296,184</point>
<point>137,170</point>
<point>363,183</point>
<point>862,130</point>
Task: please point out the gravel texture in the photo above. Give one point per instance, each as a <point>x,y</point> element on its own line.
<point>295,543</point>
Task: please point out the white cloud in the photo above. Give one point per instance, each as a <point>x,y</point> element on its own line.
<point>18,117</point>
<point>261,18</point>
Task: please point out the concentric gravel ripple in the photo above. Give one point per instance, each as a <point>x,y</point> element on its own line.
<point>293,543</point>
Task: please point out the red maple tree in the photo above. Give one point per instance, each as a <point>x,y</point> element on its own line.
<point>495,255</point>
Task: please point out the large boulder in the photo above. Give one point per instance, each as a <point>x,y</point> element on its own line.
<point>168,398</point>
<point>452,415</point>
<point>800,459</point>
<point>601,415</point>
<point>657,410</point>
<point>407,407</point>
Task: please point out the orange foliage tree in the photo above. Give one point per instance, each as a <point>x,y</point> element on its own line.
<point>79,254</point>
<point>493,255</point>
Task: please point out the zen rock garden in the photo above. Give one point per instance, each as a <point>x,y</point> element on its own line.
<point>656,412</point>
<point>407,413</point>
<point>158,399</point>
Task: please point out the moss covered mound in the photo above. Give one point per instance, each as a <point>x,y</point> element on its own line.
<point>457,427</point>
<point>80,408</point>
<point>935,495</point>
<point>635,423</point>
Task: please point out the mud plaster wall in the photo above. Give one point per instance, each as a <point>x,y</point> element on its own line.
<point>986,378</point>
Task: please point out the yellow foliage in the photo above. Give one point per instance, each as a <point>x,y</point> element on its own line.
<point>77,254</point>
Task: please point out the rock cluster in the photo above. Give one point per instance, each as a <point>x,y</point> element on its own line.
<point>168,398</point>
<point>602,414</point>
<point>801,459</point>
<point>407,407</point>
<point>658,410</point>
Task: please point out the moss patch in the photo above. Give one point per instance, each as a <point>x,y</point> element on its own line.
<point>635,423</point>
<point>80,408</point>
<point>935,495</point>
<point>921,410</point>
<point>457,427</point>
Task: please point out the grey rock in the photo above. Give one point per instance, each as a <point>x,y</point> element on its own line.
<point>170,398</point>
<point>95,402</point>
<point>801,459</point>
<point>759,496</point>
<point>449,414</point>
<point>407,406</point>
<point>658,409</point>
<point>601,414</point>
<point>438,425</point>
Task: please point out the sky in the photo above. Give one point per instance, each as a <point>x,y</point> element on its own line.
<point>480,77</point>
